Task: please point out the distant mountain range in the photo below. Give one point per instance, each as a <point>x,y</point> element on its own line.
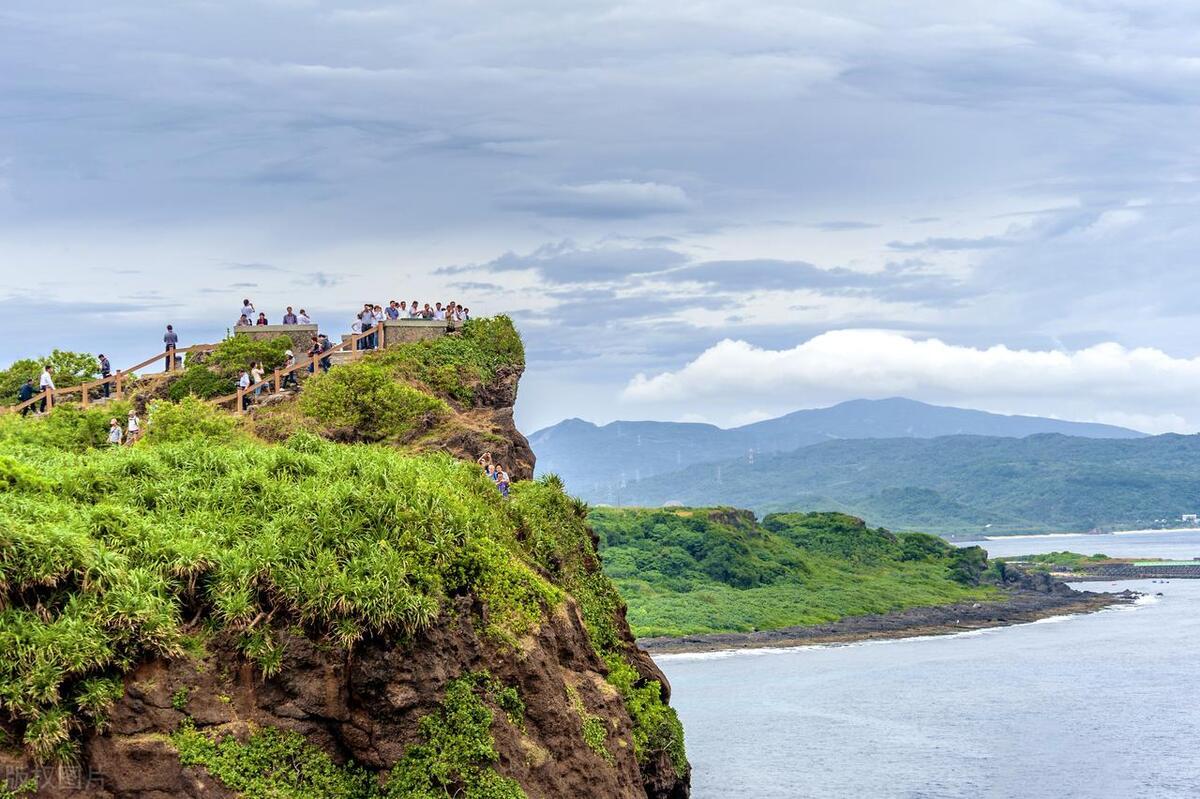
<point>951,485</point>
<point>594,461</point>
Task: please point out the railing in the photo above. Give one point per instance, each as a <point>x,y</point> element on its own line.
<point>275,381</point>
<point>117,379</point>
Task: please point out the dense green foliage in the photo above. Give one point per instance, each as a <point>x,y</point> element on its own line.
<point>215,374</point>
<point>363,399</point>
<point>239,351</point>
<point>102,548</point>
<point>457,755</point>
<point>70,369</point>
<point>455,366</point>
<point>686,571</point>
<point>99,552</point>
<point>454,760</point>
<point>272,764</point>
<point>200,381</point>
<point>957,484</point>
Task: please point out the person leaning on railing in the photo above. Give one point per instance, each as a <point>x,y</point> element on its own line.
<point>25,394</point>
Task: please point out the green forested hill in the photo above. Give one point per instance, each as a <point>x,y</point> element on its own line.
<point>956,484</point>
<point>702,570</point>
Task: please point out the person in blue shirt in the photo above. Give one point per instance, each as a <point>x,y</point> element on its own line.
<point>105,372</point>
<point>393,310</point>
<point>170,339</point>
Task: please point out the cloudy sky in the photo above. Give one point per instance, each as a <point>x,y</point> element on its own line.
<point>706,210</point>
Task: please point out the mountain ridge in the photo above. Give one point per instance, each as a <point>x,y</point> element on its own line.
<point>589,456</point>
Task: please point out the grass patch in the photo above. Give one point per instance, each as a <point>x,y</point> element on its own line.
<point>456,366</point>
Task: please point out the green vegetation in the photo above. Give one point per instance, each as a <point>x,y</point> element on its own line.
<point>70,369</point>
<point>956,484</point>
<point>364,400</point>
<point>458,753</point>
<point>686,571</point>
<point>272,764</point>
<point>456,366</point>
<point>455,759</point>
<point>102,548</point>
<point>215,374</point>
<point>1059,561</point>
<point>591,727</point>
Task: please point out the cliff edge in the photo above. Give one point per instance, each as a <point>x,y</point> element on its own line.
<point>321,599</point>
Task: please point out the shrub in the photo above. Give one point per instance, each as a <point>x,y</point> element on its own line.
<point>240,350</point>
<point>70,369</point>
<point>188,419</point>
<point>455,366</point>
<point>362,397</point>
<point>198,380</point>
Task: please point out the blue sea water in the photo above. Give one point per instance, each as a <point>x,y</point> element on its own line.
<point>1098,706</point>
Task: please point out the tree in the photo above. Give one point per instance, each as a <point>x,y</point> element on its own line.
<point>70,369</point>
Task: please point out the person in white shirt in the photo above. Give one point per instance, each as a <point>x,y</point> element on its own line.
<point>243,384</point>
<point>438,313</point>
<point>46,384</point>
<point>304,320</point>
<point>248,312</point>
<point>134,426</point>
<point>256,377</point>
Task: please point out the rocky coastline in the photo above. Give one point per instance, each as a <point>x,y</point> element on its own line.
<point>1019,606</point>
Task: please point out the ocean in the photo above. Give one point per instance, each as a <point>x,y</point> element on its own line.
<point>1093,706</point>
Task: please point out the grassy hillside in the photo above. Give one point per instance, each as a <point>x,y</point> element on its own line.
<point>701,570</point>
<point>112,555</point>
<point>957,484</point>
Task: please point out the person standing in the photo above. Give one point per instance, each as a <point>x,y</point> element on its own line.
<point>304,318</point>
<point>325,346</point>
<point>114,432</point>
<point>105,373</point>
<point>46,385</point>
<point>502,481</point>
<point>289,318</point>
<point>289,379</point>
<point>170,339</point>
<point>247,313</point>
<point>393,311</point>
<point>24,394</point>
<point>262,319</point>
<point>134,428</point>
<point>244,384</point>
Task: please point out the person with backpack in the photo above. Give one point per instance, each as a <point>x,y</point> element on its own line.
<point>134,428</point>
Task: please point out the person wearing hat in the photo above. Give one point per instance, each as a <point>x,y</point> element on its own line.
<point>289,379</point>
<point>115,433</point>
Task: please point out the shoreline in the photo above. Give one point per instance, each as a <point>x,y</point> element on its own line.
<point>1021,607</point>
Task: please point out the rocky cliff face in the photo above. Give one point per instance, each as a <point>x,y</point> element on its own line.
<point>366,707</point>
<point>276,704</point>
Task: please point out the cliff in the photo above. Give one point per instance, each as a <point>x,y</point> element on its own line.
<point>275,607</point>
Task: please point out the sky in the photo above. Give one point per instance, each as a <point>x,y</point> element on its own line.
<point>705,211</point>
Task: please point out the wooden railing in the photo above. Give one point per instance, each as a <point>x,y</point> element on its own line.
<point>117,380</point>
<point>275,381</point>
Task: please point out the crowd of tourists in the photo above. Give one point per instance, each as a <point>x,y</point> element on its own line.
<point>251,379</point>
<point>371,314</point>
<point>496,473</point>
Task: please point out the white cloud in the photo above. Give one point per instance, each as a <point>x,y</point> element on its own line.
<point>1106,381</point>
